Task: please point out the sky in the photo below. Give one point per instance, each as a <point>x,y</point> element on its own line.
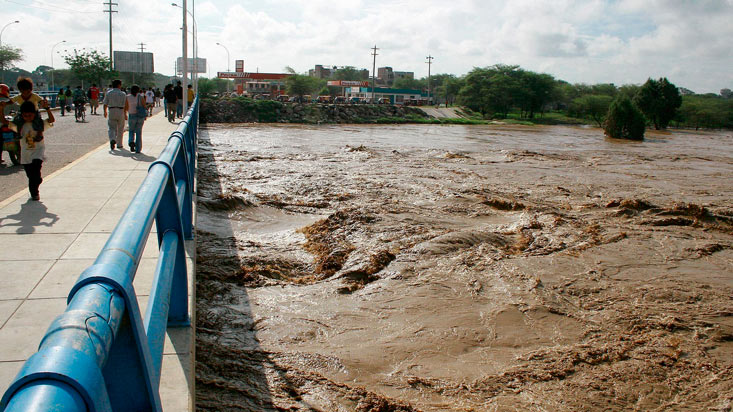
<point>589,41</point>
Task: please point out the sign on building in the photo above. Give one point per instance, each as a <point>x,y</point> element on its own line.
<point>133,62</point>
<point>239,66</point>
<point>197,65</point>
<point>349,83</point>
<point>231,75</point>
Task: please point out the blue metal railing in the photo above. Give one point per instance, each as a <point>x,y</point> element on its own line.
<point>101,354</point>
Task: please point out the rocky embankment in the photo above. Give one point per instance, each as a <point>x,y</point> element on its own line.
<point>243,110</point>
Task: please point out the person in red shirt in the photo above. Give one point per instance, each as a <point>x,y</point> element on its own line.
<point>94,98</point>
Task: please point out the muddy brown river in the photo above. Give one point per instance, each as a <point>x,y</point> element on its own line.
<point>463,268</point>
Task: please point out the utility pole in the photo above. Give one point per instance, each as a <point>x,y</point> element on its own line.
<point>430,63</point>
<point>110,11</point>
<point>374,69</point>
<point>142,50</point>
<point>184,70</point>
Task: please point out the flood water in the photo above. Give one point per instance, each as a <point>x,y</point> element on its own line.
<point>463,268</point>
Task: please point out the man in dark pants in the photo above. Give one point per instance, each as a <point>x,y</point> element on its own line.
<point>179,99</point>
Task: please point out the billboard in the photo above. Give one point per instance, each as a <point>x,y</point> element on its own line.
<point>239,66</point>
<point>197,65</point>
<point>133,62</point>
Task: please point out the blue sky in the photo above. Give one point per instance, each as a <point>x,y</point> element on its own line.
<point>591,41</point>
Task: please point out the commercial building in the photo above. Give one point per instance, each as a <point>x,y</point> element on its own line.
<point>395,96</point>
<point>386,76</point>
<point>257,83</point>
<point>329,72</point>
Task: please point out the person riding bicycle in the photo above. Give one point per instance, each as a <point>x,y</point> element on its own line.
<point>79,98</point>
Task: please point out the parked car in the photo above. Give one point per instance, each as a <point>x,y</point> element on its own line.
<point>282,98</point>
<point>356,100</point>
<point>383,100</point>
<point>339,100</point>
<point>325,99</point>
<point>368,100</point>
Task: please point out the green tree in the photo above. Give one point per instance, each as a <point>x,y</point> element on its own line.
<point>8,56</point>
<point>414,84</point>
<point>537,89</point>
<point>208,87</point>
<point>593,106</point>
<point>301,85</point>
<point>91,66</point>
<point>658,100</point>
<point>624,120</point>
<point>348,73</point>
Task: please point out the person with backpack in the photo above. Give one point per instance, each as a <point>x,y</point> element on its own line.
<point>137,111</point>
<point>29,125</point>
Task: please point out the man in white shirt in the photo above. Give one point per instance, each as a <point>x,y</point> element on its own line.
<point>114,100</point>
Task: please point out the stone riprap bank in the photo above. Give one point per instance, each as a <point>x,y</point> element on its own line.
<point>244,110</point>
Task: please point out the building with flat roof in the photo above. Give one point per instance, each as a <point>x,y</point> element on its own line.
<point>395,96</point>
<point>387,76</point>
<point>257,83</point>
<point>329,72</point>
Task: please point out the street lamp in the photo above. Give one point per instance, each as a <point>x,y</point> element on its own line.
<point>2,64</point>
<point>195,45</point>
<point>225,48</point>
<point>5,27</point>
<point>53,86</point>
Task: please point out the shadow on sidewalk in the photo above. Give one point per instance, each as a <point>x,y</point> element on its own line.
<point>230,363</point>
<point>32,214</point>
<point>8,169</point>
<point>140,157</point>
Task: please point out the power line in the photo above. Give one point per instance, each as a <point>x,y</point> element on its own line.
<point>54,10</point>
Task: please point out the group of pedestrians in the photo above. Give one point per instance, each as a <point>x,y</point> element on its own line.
<point>119,107</point>
<point>78,97</point>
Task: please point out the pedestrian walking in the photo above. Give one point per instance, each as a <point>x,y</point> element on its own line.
<point>94,98</point>
<point>191,95</point>
<point>171,102</point>
<point>158,95</point>
<point>150,100</point>
<point>115,100</point>
<point>136,110</point>
<point>62,100</point>
<point>29,125</point>
<point>68,94</point>
<point>179,99</point>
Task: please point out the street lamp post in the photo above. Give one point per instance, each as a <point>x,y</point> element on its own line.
<point>53,86</point>
<point>195,49</point>
<point>225,48</point>
<point>2,64</point>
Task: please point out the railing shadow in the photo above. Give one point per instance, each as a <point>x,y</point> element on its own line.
<point>230,363</point>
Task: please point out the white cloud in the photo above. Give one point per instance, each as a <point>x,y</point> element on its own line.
<point>620,41</point>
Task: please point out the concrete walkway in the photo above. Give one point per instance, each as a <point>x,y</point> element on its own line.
<point>45,246</point>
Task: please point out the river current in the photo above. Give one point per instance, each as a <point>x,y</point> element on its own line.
<point>463,268</point>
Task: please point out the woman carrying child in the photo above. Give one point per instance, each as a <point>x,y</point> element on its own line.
<point>29,125</point>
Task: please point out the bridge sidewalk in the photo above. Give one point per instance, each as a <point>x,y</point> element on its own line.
<point>45,246</point>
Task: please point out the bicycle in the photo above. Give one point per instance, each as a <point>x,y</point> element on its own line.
<point>80,112</point>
